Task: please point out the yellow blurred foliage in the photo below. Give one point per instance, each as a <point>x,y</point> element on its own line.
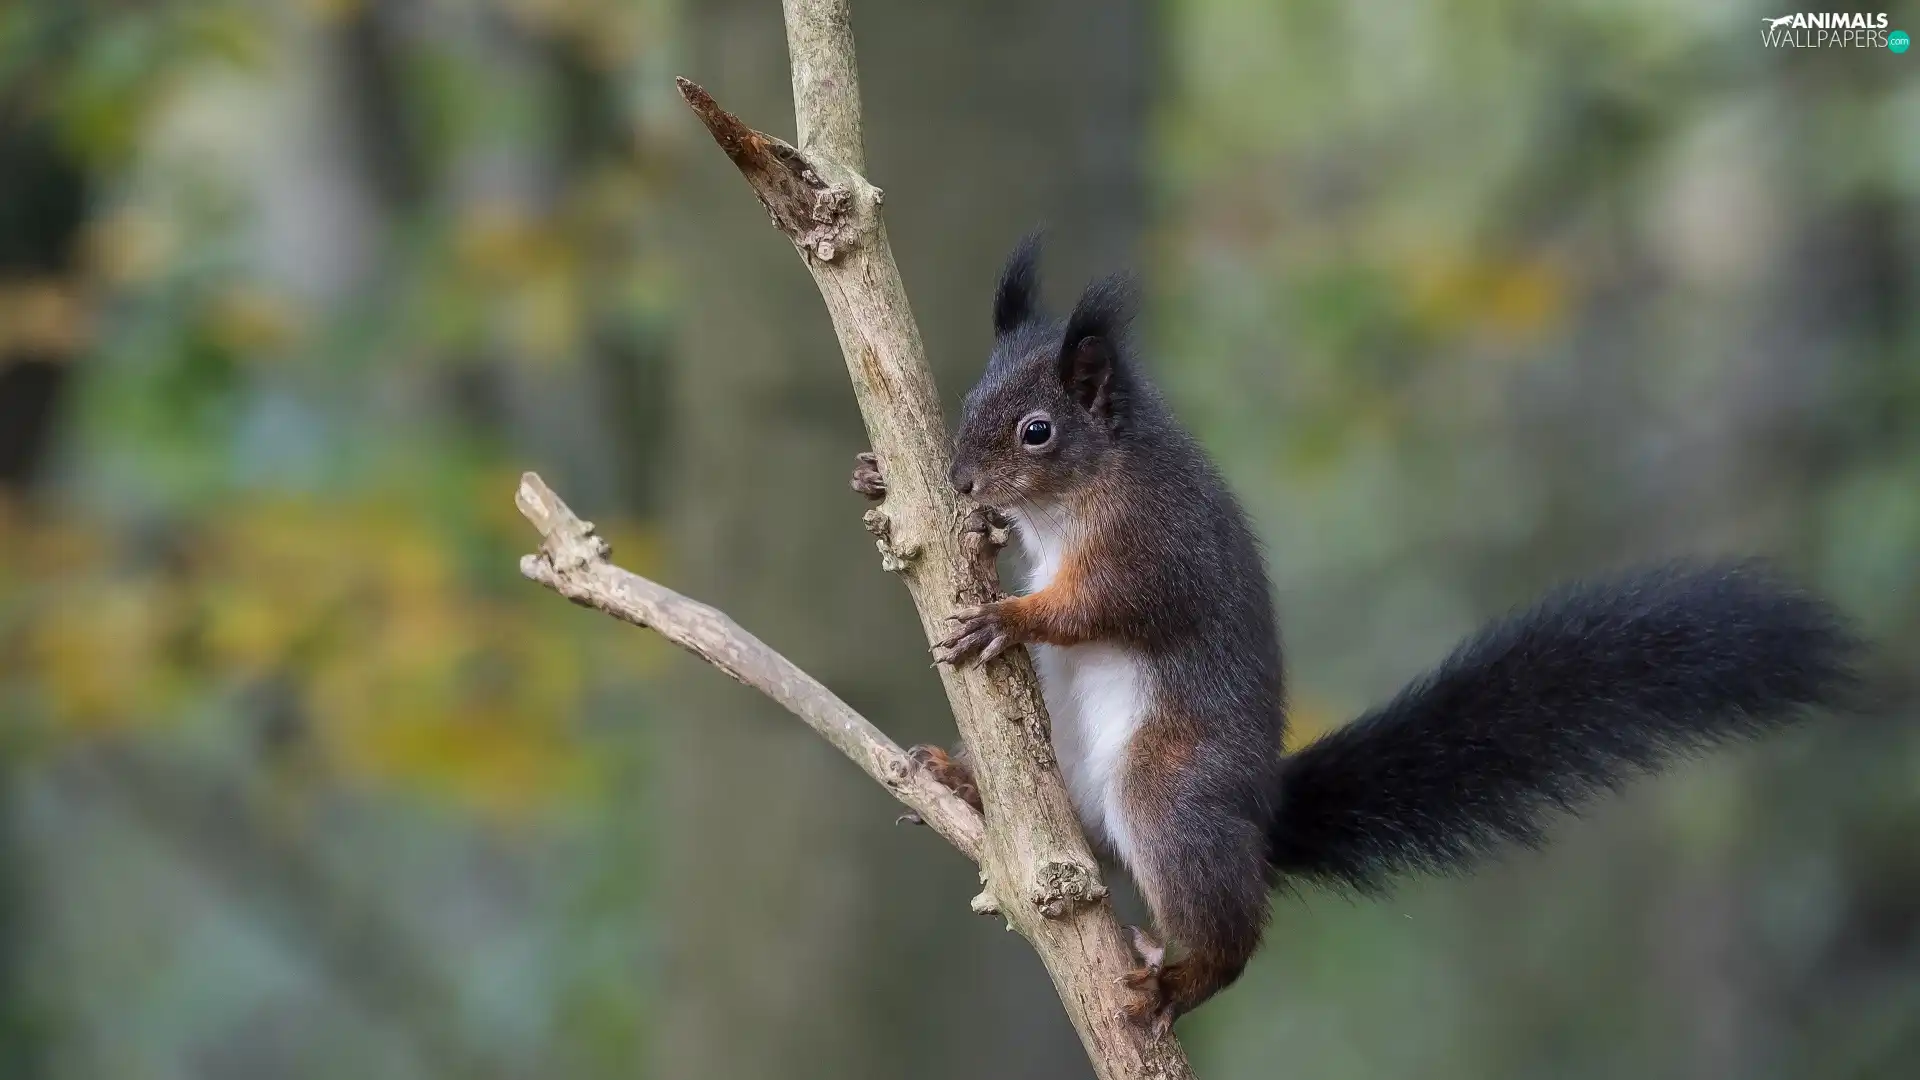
<point>1518,298</point>
<point>127,247</point>
<point>252,321</point>
<point>534,269</point>
<point>42,315</point>
<point>402,669</point>
<point>101,654</point>
<point>499,238</point>
<point>609,32</point>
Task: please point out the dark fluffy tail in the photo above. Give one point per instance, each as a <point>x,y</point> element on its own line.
<point>1596,684</point>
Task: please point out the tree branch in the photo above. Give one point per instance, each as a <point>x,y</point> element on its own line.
<point>1040,873</point>
<point>574,563</point>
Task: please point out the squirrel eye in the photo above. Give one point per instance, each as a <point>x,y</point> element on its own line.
<point>1036,431</point>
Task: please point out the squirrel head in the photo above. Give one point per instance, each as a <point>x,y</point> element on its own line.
<point>1050,412</point>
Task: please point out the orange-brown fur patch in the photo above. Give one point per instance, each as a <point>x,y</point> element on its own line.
<point>1056,615</point>
<point>1089,598</point>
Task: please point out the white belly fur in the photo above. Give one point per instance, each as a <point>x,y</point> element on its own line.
<point>1096,697</point>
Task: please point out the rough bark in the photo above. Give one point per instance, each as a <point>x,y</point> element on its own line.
<point>1039,871</point>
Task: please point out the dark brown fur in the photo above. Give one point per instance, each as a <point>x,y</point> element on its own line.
<point>1590,687</point>
<point>1161,560</point>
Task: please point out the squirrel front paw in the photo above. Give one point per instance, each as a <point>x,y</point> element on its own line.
<point>866,476</point>
<point>981,629</point>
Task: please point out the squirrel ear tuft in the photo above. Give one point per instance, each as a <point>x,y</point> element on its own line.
<point>1018,297</point>
<point>1090,353</point>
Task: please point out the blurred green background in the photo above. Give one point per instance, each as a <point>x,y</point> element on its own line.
<point>299,779</point>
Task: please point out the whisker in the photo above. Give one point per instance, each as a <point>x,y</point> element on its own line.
<point>1041,514</point>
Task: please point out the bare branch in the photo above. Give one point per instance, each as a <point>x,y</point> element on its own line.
<point>1040,874</point>
<point>826,81</point>
<point>574,563</point>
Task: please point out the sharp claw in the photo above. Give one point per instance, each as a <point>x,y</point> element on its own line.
<point>994,648</point>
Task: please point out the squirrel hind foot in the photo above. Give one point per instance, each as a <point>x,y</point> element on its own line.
<point>1149,1005</point>
<point>948,771</point>
<point>1162,991</point>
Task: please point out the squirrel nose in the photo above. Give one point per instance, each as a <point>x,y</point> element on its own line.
<point>962,479</point>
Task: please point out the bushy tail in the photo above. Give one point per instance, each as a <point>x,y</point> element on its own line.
<point>1596,684</point>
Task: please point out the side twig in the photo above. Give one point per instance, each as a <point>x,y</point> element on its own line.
<point>574,562</point>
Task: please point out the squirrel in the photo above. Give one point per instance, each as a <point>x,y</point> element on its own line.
<point>1153,631</point>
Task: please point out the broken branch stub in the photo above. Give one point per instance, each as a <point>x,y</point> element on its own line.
<point>821,213</point>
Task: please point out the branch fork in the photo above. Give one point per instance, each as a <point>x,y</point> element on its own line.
<point>1038,871</point>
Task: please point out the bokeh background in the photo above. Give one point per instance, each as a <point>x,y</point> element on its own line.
<point>299,779</point>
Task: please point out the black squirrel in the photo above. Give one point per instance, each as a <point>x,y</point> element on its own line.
<point>1153,631</point>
